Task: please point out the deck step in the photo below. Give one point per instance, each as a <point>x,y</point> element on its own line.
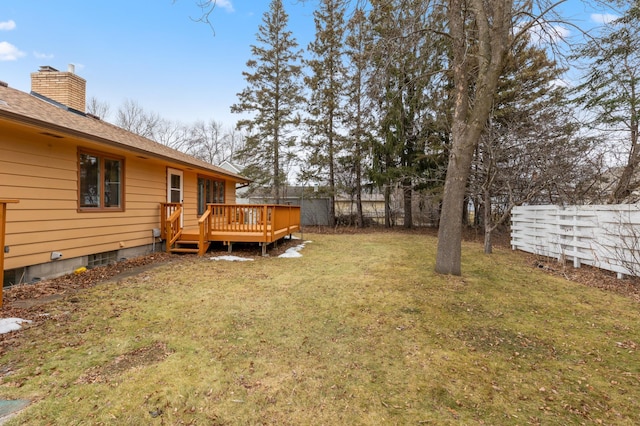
<point>184,250</point>
<point>187,242</point>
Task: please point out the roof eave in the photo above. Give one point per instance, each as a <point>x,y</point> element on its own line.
<point>33,122</point>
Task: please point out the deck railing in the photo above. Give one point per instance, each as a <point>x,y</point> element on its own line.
<point>173,226</point>
<point>269,220</point>
<point>204,226</point>
<point>166,211</point>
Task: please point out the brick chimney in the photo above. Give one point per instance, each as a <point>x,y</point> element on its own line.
<point>66,88</point>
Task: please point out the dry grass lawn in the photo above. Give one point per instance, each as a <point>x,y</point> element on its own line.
<point>358,331</point>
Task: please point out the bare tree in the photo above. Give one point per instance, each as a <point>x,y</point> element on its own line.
<point>531,145</point>
<point>98,108</point>
<point>172,134</point>
<point>131,116</point>
<point>482,33</point>
<point>210,142</point>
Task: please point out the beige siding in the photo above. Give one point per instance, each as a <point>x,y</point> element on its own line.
<point>190,199</point>
<point>230,192</point>
<point>42,173</point>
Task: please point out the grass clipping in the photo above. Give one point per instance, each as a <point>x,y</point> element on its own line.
<point>357,331</point>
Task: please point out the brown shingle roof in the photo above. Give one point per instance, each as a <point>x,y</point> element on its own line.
<point>24,108</point>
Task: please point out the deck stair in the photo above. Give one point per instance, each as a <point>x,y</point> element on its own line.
<point>185,246</point>
<point>189,242</point>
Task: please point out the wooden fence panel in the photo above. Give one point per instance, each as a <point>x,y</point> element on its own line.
<point>604,236</point>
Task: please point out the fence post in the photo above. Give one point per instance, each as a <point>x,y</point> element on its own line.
<point>576,258</point>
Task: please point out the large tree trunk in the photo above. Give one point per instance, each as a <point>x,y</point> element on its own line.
<point>625,185</point>
<point>276,164</point>
<point>492,19</point>
<point>359,213</point>
<point>387,206</point>
<point>407,191</point>
<point>488,225</point>
<point>449,254</point>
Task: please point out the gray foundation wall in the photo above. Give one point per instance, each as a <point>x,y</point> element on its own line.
<point>57,268</point>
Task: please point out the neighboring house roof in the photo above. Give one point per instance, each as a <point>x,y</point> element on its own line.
<point>227,165</point>
<point>29,110</point>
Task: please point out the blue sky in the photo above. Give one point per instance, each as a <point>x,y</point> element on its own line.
<point>152,52</point>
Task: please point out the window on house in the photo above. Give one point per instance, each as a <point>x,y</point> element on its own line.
<point>209,191</point>
<point>102,259</point>
<point>100,182</point>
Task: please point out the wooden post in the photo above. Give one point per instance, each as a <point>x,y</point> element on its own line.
<point>3,220</point>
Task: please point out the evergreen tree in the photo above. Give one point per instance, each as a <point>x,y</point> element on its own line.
<point>327,85</point>
<point>403,83</point>
<point>273,96</point>
<point>358,122</point>
<point>611,91</point>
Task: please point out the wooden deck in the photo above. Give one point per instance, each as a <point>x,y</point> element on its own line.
<point>229,223</point>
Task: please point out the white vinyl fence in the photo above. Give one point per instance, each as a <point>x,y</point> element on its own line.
<point>606,236</point>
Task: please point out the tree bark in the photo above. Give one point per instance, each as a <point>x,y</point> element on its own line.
<point>625,185</point>
<point>387,206</point>
<point>407,191</point>
<point>492,19</point>
<point>449,254</point>
<point>488,224</point>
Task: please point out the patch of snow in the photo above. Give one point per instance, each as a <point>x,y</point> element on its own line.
<point>11,324</point>
<point>294,251</point>
<point>232,258</point>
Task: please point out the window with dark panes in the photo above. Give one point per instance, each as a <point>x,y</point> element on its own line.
<point>100,180</point>
<point>209,191</point>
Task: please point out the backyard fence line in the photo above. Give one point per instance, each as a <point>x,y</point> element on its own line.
<point>604,236</point>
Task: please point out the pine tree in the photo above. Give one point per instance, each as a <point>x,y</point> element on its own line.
<point>273,96</point>
<point>326,83</point>
<point>611,91</point>
<point>403,85</point>
<point>357,117</point>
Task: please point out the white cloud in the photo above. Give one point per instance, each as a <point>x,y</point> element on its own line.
<point>603,18</point>
<point>545,33</point>
<point>8,52</point>
<point>43,55</point>
<point>559,82</point>
<point>560,31</point>
<point>225,4</point>
<point>7,25</point>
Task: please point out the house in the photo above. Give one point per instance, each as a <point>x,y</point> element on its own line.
<point>241,190</point>
<point>372,207</point>
<point>89,192</point>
